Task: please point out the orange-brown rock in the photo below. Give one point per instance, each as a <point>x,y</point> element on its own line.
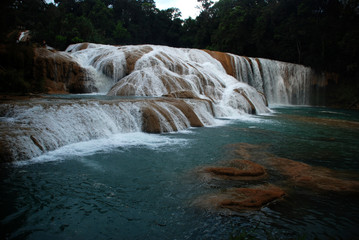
<point>237,169</point>
<point>60,72</point>
<point>238,199</point>
<point>188,111</point>
<point>150,120</point>
<point>225,59</point>
<point>320,178</point>
<point>83,46</point>
<point>132,55</point>
<point>181,94</point>
<point>153,112</point>
<point>298,173</point>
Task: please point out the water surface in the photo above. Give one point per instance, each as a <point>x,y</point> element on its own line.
<point>142,186</point>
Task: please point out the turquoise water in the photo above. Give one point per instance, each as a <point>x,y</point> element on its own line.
<point>143,186</point>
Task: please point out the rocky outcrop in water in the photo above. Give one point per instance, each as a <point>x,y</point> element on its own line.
<point>244,184</point>
<point>317,178</point>
<point>239,199</point>
<point>297,173</point>
<point>237,169</point>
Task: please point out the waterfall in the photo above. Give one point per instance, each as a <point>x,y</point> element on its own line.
<point>103,64</point>
<point>155,71</point>
<point>151,89</point>
<point>281,82</point>
<point>30,129</point>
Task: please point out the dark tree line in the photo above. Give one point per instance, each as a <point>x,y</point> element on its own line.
<point>323,34</point>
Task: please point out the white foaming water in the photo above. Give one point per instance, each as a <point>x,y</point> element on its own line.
<point>103,63</point>
<point>41,127</point>
<point>281,82</point>
<point>31,129</point>
<point>163,70</point>
<point>153,71</point>
<point>103,145</point>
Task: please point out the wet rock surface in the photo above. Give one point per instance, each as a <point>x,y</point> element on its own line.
<point>259,177</point>
<point>238,199</point>
<point>237,169</point>
<point>317,178</point>
<point>297,173</point>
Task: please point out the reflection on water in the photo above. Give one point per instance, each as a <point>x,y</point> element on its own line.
<point>143,186</point>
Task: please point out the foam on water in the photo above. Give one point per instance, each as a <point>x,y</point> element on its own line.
<point>113,143</point>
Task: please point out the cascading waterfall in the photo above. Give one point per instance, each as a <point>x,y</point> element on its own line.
<point>30,129</point>
<point>104,65</point>
<point>281,82</point>
<point>155,71</point>
<point>166,89</point>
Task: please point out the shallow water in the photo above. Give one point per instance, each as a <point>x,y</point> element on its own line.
<point>142,186</point>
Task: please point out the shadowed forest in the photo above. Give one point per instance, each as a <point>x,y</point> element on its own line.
<point>322,34</point>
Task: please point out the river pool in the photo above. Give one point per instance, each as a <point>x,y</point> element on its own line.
<point>142,186</point>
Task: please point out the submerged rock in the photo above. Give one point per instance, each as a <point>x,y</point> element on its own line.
<point>307,176</point>
<point>238,199</point>
<point>249,151</point>
<point>298,173</point>
<point>237,169</point>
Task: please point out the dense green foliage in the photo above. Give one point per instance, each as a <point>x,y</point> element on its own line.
<point>323,34</point>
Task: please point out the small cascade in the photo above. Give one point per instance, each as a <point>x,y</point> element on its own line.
<point>31,129</point>
<point>104,65</point>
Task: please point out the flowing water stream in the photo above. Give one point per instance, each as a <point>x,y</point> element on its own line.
<point>134,185</point>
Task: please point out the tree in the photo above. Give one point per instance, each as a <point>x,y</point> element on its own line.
<point>120,34</point>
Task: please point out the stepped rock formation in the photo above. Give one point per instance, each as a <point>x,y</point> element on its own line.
<point>30,128</point>
<point>148,70</point>
<point>178,87</point>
